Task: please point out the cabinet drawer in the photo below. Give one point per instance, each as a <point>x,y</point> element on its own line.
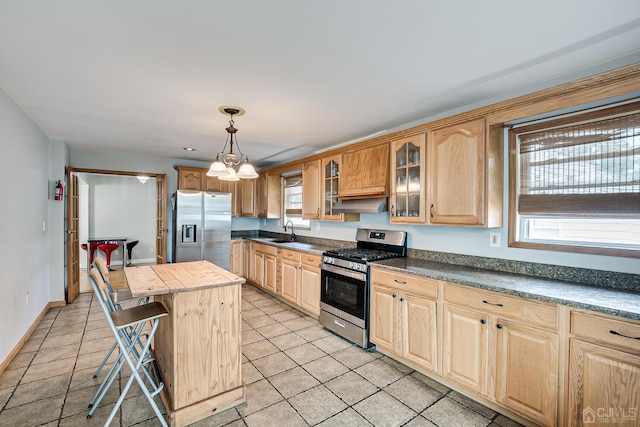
<point>265,249</point>
<point>290,255</point>
<point>406,282</point>
<point>607,330</point>
<point>511,308</point>
<point>312,260</point>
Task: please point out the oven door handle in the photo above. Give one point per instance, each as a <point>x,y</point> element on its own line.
<point>344,272</point>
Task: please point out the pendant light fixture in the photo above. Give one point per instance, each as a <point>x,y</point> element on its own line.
<point>222,167</point>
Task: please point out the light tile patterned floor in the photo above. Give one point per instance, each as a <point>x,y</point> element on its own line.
<point>297,374</point>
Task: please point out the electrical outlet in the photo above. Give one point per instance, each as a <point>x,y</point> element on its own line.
<point>494,240</point>
<point>44,226</point>
<point>116,252</point>
<point>27,297</point>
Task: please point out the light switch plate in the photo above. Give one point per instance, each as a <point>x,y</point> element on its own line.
<point>494,240</point>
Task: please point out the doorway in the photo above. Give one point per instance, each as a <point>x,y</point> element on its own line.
<point>105,204</point>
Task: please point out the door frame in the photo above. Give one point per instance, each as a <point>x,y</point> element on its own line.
<point>73,261</point>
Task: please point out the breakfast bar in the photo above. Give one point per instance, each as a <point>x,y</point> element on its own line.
<point>198,346</point>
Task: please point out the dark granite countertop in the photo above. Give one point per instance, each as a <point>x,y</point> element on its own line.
<point>610,301</point>
<point>310,248</point>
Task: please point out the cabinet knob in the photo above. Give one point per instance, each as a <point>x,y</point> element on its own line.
<point>483,321</point>
<point>499,326</point>
<point>395,296</point>
<point>401,299</point>
<point>431,210</point>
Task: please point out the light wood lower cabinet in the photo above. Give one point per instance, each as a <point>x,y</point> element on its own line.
<point>310,283</point>
<point>464,352</point>
<point>237,257</point>
<point>403,317</point>
<point>290,271</point>
<point>269,282</point>
<point>293,275</point>
<point>503,347</point>
<point>604,371</point>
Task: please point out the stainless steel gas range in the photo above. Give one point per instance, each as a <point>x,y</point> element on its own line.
<point>344,292</point>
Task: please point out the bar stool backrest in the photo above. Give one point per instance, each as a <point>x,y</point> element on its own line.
<point>104,272</point>
<point>100,288</point>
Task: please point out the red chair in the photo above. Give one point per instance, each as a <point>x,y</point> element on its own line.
<point>107,248</point>
<point>93,247</point>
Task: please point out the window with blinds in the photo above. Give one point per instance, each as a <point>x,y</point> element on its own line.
<point>292,201</point>
<point>578,179</point>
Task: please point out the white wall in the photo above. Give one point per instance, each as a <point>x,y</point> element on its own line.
<point>122,206</point>
<point>24,251</point>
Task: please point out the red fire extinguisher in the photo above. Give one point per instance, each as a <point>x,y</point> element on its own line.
<point>59,192</point>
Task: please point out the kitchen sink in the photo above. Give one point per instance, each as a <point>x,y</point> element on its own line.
<point>281,241</point>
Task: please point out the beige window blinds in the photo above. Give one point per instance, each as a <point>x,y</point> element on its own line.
<point>293,196</point>
<point>583,168</point>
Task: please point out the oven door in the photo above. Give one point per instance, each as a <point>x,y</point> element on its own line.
<point>344,294</point>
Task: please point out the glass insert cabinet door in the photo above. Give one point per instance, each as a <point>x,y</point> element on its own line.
<point>330,194</point>
<point>408,180</point>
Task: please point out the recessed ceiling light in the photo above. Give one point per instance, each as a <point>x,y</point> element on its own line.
<point>189,149</point>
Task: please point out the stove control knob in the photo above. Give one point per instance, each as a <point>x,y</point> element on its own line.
<point>351,265</point>
<point>327,260</point>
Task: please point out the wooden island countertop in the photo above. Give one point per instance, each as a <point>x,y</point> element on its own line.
<point>198,347</point>
<point>149,280</point>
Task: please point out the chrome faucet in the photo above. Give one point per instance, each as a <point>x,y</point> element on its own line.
<point>293,235</point>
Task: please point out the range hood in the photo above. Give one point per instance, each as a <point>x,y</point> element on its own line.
<point>370,206</point>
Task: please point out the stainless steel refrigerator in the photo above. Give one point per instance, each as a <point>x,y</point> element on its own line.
<point>202,227</point>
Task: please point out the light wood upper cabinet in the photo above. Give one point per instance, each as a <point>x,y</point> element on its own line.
<point>311,184</point>
<point>248,197</point>
<point>365,172</point>
<point>604,371</point>
<point>190,178</point>
<point>408,170</point>
<point>268,194</point>
<point>465,175</point>
<point>329,191</point>
<point>330,178</point>
<point>212,183</point>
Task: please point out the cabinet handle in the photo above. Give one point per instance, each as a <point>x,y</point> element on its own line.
<point>400,281</point>
<point>483,321</point>
<point>491,303</point>
<point>612,332</point>
<point>499,326</point>
<point>395,296</point>
<point>431,210</point>
<point>401,299</point>
<point>393,210</point>
<point>318,212</point>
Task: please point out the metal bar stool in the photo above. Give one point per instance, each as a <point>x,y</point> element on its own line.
<point>118,297</point>
<point>127,326</point>
<point>107,248</point>
<point>130,246</point>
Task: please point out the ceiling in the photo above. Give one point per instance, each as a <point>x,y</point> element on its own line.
<point>148,76</point>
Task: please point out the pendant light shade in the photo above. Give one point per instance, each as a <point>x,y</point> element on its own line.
<point>222,167</point>
<point>230,176</point>
<point>218,169</point>
<point>247,171</point>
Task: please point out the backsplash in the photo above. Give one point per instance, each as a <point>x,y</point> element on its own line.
<point>605,279</point>
<point>600,278</point>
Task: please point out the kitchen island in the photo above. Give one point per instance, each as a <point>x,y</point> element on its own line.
<point>198,346</point>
